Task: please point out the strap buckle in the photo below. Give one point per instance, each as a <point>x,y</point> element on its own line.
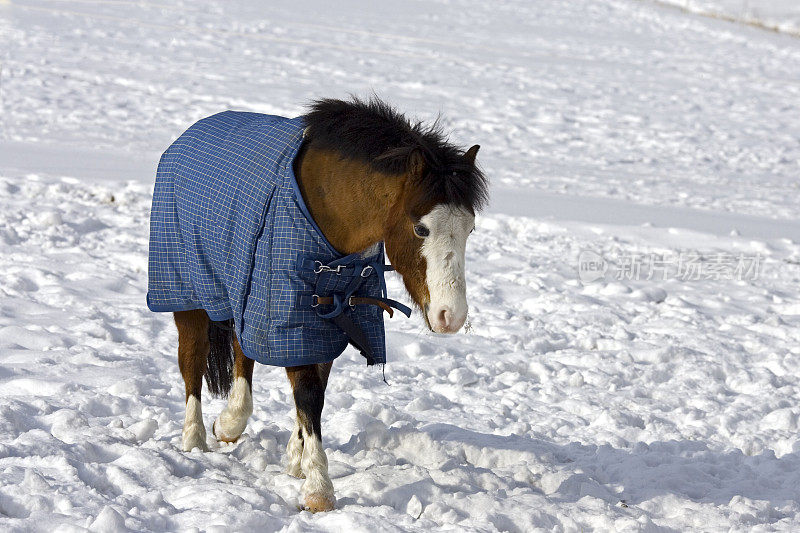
<point>325,268</point>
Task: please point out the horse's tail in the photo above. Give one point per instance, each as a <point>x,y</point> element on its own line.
<point>219,368</point>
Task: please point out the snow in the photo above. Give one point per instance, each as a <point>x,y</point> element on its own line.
<point>614,130</point>
<point>779,15</point>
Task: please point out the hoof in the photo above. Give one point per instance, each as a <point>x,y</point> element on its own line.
<point>221,436</point>
<point>318,503</point>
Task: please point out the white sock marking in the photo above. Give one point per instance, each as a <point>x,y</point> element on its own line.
<point>315,466</point>
<point>294,451</point>
<point>233,419</point>
<point>194,432</point>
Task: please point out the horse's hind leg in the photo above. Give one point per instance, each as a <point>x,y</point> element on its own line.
<point>193,347</point>
<point>294,451</point>
<point>305,444</point>
<point>232,421</point>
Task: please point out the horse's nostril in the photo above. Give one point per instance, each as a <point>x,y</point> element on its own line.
<point>445,317</point>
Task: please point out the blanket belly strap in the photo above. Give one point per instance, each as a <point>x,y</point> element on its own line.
<point>384,303</point>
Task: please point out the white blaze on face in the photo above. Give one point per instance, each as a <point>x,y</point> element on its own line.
<point>443,250</point>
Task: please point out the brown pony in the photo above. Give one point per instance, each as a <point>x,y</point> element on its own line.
<point>367,175</point>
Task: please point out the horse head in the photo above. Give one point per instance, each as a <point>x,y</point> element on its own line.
<point>427,230</point>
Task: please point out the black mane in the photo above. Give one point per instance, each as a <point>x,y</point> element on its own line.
<point>375,133</point>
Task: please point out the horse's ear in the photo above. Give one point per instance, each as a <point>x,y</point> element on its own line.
<point>471,153</point>
<point>416,163</point>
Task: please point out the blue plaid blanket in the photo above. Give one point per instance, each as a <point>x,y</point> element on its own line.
<point>230,234</point>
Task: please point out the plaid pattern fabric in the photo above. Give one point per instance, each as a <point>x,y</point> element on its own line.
<point>230,233</point>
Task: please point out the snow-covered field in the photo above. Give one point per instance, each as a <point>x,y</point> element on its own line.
<point>660,147</point>
<point>780,15</point>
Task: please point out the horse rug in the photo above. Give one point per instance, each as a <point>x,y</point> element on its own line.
<point>231,234</point>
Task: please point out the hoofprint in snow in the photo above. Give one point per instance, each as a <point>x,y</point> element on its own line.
<point>630,404</point>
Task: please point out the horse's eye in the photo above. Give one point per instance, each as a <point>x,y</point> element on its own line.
<point>421,231</point>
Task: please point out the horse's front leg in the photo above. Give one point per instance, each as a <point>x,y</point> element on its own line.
<point>305,445</point>
<point>232,421</point>
<point>193,347</point>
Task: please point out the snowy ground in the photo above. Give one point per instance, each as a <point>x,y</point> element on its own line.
<point>780,15</point>
<point>617,132</point>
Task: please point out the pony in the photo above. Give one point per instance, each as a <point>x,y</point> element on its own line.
<point>369,177</point>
